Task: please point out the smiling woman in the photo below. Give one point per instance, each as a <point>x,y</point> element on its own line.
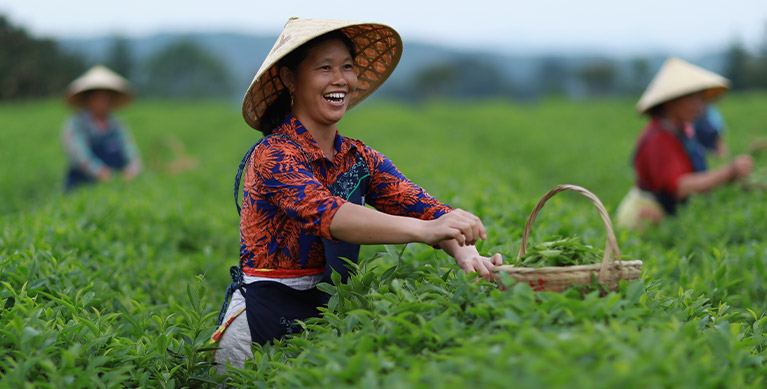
<point>305,185</point>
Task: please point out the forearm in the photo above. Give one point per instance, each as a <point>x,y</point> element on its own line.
<point>130,151</point>
<point>703,181</point>
<point>453,249</point>
<point>357,224</point>
<point>79,153</point>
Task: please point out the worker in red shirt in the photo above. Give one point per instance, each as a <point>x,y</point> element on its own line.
<point>669,162</point>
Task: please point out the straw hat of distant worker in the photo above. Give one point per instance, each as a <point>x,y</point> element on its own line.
<point>378,49</point>
<point>677,78</point>
<point>669,162</point>
<point>99,77</point>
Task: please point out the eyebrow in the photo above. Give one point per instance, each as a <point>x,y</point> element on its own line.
<point>329,59</point>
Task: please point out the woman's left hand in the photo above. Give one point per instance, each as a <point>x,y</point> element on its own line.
<point>477,263</point>
<point>131,171</point>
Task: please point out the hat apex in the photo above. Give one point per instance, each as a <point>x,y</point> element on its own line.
<point>99,77</point>
<point>677,78</point>
<point>378,48</point>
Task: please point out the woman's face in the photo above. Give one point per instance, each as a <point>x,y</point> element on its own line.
<point>323,83</point>
<point>684,109</point>
<point>99,102</point>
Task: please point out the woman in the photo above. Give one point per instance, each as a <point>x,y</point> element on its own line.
<point>305,184</point>
<point>669,163</point>
<point>97,144</point>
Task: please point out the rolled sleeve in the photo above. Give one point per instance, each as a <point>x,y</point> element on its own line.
<point>129,148</point>
<point>391,192</point>
<point>79,153</point>
<point>285,181</point>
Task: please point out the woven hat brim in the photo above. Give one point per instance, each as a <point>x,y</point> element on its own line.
<point>78,99</point>
<point>98,78</point>
<point>378,48</point>
<point>677,78</point>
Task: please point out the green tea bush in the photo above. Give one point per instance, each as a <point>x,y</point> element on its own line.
<point>118,285</point>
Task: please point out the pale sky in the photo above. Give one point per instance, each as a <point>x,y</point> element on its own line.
<point>607,26</point>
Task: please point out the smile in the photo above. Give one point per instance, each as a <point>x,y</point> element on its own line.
<point>335,97</point>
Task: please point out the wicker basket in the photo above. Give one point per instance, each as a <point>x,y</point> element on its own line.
<point>558,278</point>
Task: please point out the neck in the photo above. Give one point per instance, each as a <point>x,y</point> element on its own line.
<point>324,135</point>
<point>672,124</point>
<point>99,120</point>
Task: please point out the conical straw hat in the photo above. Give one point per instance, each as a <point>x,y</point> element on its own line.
<point>677,78</point>
<point>98,77</point>
<point>378,48</point>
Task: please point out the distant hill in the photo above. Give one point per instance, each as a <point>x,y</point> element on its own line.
<point>243,55</point>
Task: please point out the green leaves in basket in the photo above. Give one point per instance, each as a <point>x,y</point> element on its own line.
<point>560,252</point>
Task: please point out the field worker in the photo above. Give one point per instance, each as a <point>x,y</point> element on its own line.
<point>708,128</point>
<point>305,185</point>
<point>669,163</point>
<point>97,144</point>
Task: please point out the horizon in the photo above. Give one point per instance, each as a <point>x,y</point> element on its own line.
<point>556,26</point>
<point>519,51</point>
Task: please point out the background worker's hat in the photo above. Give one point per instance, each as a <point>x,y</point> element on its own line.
<point>677,78</point>
<point>378,48</point>
<point>98,77</point>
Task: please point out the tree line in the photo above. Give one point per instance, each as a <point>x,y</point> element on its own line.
<point>556,75</point>
<point>35,67</point>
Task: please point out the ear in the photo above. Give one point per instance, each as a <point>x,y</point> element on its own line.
<point>288,79</point>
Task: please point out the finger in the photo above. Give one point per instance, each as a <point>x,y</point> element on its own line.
<point>497,259</point>
<point>483,270</point>
<point>475,230</point>
<point>478,229</point>
<point>459,237</point>
<point>464,228</point>
<point>469,233</point>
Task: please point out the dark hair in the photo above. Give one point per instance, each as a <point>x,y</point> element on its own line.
<point>276,111</point>
<point>656,110</point>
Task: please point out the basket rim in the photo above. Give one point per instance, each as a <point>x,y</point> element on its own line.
<point>563,269</point>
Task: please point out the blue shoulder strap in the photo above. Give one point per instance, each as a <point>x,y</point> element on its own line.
<point>236,271</point>
<point>238,177</point>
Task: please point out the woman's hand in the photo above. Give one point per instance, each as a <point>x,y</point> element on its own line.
<point>477,263</point>
<point>458,225</point>
<point>131,171</point>
<point>104,174</point>
<point>741,166</point>
<point>700,182</point>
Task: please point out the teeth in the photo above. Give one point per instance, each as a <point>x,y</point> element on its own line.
<point>335,95</point>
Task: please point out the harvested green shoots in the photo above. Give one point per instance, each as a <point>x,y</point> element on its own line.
<point>560,252</point>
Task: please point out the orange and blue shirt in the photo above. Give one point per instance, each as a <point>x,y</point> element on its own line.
<point>287,206</point>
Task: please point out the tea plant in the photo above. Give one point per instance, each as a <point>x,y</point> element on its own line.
<point>118,285</point>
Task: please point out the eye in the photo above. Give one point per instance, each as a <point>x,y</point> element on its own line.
<point>348,66</point>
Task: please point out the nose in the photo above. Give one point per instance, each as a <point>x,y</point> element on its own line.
<point>339,78</point>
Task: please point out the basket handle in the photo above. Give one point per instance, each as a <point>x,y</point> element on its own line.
<point>611,247</point>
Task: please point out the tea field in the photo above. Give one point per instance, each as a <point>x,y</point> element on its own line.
<point>119,285</point>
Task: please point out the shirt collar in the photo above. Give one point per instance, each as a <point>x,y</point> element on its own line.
<point>669,126</point>
<point>293,128</point>
<point>89,121</point>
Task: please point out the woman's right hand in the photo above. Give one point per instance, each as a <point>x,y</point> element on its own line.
<point>104,174</point>
<point>741,166</point>
<point>458,224</point>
